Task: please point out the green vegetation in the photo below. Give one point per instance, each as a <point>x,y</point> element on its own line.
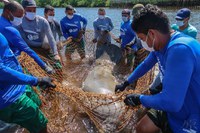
<point>114,3</point>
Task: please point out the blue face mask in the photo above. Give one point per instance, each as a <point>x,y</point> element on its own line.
<point>125,19</point>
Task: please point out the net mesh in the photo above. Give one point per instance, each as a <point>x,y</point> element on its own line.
<point>70,109</point>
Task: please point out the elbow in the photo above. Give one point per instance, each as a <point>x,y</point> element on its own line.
<point>171,105</point>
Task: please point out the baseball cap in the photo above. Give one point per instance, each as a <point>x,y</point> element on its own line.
<point>28,3</point>
<point>183,13</point>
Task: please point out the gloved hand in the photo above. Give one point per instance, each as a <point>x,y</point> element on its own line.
<point>106,31</point>
<point>122,87</point>
<point>94,40</point>
<point>49,69</point>
<point>57,58</point>
<point>156,90</point>
<point>132,100</point>
<point>46,81</point>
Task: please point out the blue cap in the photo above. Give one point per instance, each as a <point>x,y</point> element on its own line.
<point>183,13</point>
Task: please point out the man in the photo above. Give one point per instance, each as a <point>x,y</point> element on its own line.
<point>49,14</point>
<point>127,37</point>
<point>102,27</point>
<point>176,107</point>
<point>182,23</point>
<point>15,105</point>
<point>12,16</point>
<point>34,29</point>
<point>71,28</point>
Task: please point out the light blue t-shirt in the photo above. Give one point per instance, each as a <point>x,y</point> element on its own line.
<point>190,30</point>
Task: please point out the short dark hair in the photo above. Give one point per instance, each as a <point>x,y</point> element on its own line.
<point>13,6</point>
<point>48,8</point>
<point>151,17</point>
<point>101,10</point>
<point>69,8</point>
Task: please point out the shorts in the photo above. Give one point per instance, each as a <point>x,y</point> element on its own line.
<point>160,119</point>
<point>26,113</point>
<point>80,47</point>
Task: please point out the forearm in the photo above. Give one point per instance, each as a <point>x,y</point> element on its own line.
<point>14,77</point>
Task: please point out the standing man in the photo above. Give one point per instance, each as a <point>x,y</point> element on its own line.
<point>127,37</point>
<point>71,28</point>
<point>15,105</point>
<point>34,29</point>
<point>12,16</point>
<point>102,27</point>
<point>182,23</point>
<point>49,13</point>
<point>176,108</point>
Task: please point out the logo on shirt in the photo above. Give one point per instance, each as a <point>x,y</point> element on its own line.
<point>190,126</point>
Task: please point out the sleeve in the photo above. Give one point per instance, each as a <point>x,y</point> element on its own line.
<point>143,68</point>
<point>29,42</point>
<point>176,81</point>
<point>17,41</point>
<point>58,28</point>
<point>111,27</point>
<point>50,37</point>
<point>96,32</point>
<point>84,20</point>
<point>11,76</point>
<point>64,30</point>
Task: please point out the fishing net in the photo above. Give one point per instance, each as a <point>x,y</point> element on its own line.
<point>70,109</point>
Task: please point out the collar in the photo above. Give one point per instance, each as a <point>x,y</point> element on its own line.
<point>6,21</point>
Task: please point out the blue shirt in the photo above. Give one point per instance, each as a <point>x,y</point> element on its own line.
<point>126,33</point>
<point>179,63</point>
<point>16,42</point>
<point>12,80</point>
<point>71,27</point>
<point>100,26</point>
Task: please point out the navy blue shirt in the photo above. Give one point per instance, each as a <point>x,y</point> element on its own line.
<point>71,27</point>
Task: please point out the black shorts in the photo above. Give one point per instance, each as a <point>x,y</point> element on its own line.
<point>160,119</point>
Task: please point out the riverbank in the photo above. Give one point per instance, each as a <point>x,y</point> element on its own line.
<point>117,3</point>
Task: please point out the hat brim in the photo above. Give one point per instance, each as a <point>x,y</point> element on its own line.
<point>178,17</point>
<point>6,1</point>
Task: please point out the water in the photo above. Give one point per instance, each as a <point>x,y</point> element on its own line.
<point>115,15</point>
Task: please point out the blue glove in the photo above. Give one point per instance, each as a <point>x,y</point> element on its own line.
<point>132,100</point>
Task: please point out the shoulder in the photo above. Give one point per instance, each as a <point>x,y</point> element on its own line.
<point>63,19</point>
<point>95,21</point>
<point>174,26</point>
<point>12,31</point>
<point>191,28</point>
<point>108,18</point>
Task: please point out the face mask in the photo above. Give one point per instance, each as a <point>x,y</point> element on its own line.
<point>70,16</point>
<point>30,15</point>
<point>50,18</point>
<point>101,16</point>
<point>125,19</point>
<point>145,45</point>
<point>179,23</point>
<point>16,20</point>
